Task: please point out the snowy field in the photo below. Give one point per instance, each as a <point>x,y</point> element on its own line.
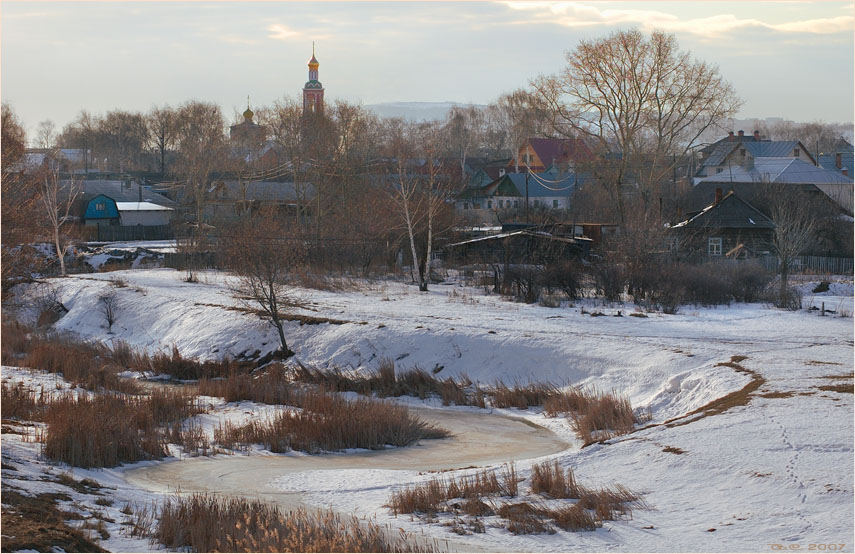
<point>773,470</point>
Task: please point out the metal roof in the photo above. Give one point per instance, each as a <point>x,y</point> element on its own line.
<point>779,170</point>
<point>140,207</point>
<point>120,191</point>
<point>731,212</point>
<point>773,148</point>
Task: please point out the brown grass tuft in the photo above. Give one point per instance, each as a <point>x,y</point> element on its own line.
<point>329,422</point>
<point>205,523</point>
<point>110,429</point>
<point>548,479</point>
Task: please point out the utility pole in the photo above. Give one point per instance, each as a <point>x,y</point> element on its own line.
<point>527,171</point>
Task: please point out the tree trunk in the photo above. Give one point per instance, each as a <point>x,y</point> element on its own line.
<point>785,271</point>
<point>60,253</point>
<point>287,352</point>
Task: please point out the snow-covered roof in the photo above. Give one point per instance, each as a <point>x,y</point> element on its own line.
<point>140,207</point>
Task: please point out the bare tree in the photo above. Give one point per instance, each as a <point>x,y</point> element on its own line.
<point>162,126</point>
<point>795,213</point>
<point>21,207</point>
<point>46,134</point>
<point>57,199</point>
<point>419,190</point>
<point>264,250</point>
<point>81,133</point>
<point>108,304</point>
<point>642,100</point>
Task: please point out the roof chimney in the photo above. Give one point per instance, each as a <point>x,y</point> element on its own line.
<point>718,194</point>
<point>741,133</point>
<point>837,161</point>
<point>756,135</point>
<point>730,135</point>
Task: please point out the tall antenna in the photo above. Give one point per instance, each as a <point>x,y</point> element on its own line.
<point>313,49</point>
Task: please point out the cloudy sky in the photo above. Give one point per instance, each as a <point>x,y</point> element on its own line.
<point>787,59</point>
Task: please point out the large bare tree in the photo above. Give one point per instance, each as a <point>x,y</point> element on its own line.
<point>641,100</point>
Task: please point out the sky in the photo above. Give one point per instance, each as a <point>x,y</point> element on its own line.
<point>785,59</point>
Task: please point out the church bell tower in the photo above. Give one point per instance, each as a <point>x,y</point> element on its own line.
<point>313,90</point>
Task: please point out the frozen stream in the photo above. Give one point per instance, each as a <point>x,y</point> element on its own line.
<point>478,439</point>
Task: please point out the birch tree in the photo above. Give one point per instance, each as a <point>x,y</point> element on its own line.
<point>419,190</point>
<point>58,199</point>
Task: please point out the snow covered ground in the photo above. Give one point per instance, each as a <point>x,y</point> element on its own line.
<point>773,469</point>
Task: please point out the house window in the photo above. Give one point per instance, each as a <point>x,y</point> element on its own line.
<point>795,152</point>
<point>466,205</point>
<point>555,203</point>
<point>100,207</point>
<point>719,169</point>
<point>489,204</point>
<point>477,205</point>
<point>516,203</point>
<point>714,247</point>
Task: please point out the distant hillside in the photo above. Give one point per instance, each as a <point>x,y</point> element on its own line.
<point>416,111</point>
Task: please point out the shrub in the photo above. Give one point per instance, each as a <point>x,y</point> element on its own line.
<point>522,283</point>
<point>610,279</point>
<point>564,276</point>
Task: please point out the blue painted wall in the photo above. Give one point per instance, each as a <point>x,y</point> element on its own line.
<point>109,212</point>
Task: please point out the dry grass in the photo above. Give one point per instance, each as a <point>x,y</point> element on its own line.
<point>83,364</point>
<point>524,518</point>
<point>386,382</point>
<point>179,367</point>
<point>611,503</point>
<point>36,523</point>
<point>433,496</point>
<point>329,422</point>
<point>548,479</point>
<point>271,387</point>
<point>847,388</point>
<point>205,523</point>
<point>22,403</point>
<point>575,518</point>
<point>467,495</point>
<point>521,396</point>
<point>603,417</point>
<point>110,429</point>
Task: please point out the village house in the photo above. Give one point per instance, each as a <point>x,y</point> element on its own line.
<point>840,159</point>
<point>729,227</point>
<point>747,179</point>
<point>539,154</point>
<point>739,150</point>
<point>549,190</point>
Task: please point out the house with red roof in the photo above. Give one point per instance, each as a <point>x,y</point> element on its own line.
<point>540,154</point>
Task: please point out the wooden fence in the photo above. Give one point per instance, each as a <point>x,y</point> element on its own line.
<point>815,265</point>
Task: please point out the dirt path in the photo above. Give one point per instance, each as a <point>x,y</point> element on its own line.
<point>479,439</point>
